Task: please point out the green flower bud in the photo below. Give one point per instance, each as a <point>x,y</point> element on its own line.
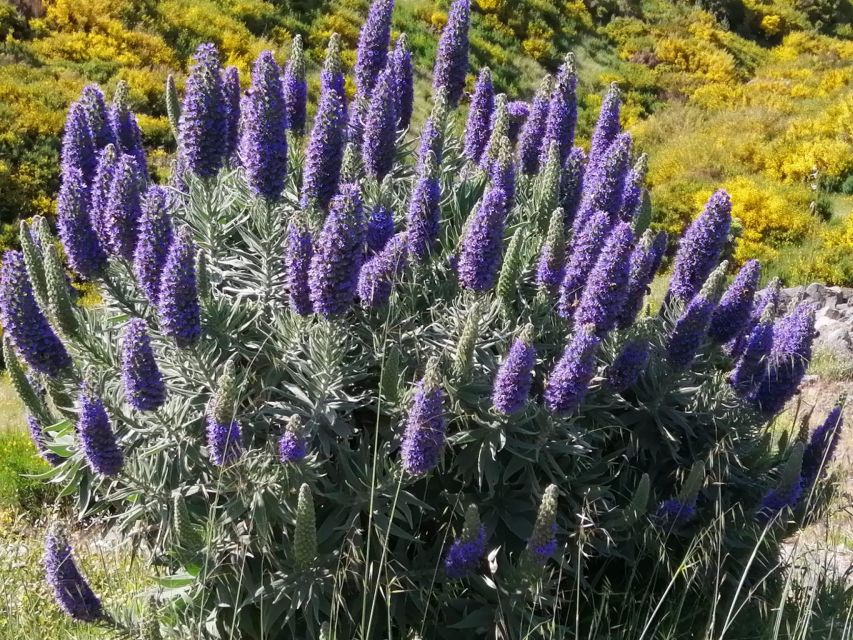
<point>60,307</point>
<point>305,533</point>
<point>390,382</point>
<point>546,187</point>
<point>21,384</point>
<point>351,167</point>
<point>224,402</point>
<point>202,276</point>
<point>34,263</point>
<point>507,287</point>
<point>467,341</point>
<point>693,484</point>
<point>173,104</point>
<point>187,536</point>
<point>639,501</point>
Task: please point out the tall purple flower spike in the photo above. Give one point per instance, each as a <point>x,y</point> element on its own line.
<point>562,113</point>
<point>424,436</point>
<point>533,132</point>
<point>71,590</point>
<point>700,247</point>
<point>691,328</point>
<point>380,228</point>
<point>24,322</point>
<point>325,151</point>
<point>821,447</point>
<point>733,312</point>
<point>380,127</point>
<point>203,123</point>
<point>628,365</point>
<point>403,73</point>
<point>583,252</point>
<point>128,136</point>
<point>424,215</point>
<point>571,184</point>
<point>99,192</point>
<point>78,149</point>
<point>96,435</point>
<point>451,58</point>
<point>518,111</point>
<point>231,93</point>
<point>338,255</point>
<point>79,240</point>
<point>478,125</point>
<point>644,263</point>
<point>377,275</point>
<point>263,144</point>
<point>143,384</point>
<point>602,188</point>
<point>373,42</point>
<point>569,381</point>
<point>512,383</point>
<point>123,208</point>
<point>297,259</point>
<point>224,440</point>
<point>95,107</point>
<point>178,306</point>
<point>155,238</point>
<point>607,127</point>
<point>482,247</point>
<point>295,88</point>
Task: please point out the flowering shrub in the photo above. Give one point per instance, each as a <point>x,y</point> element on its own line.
<point>344,380</point>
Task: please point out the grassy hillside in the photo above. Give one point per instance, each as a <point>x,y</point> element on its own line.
<point>755,95</point>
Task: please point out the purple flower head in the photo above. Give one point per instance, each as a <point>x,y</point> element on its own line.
<point>602,188</point>
<point>502,171</point>
<point>377,275</point>
<point>674,513</point>
<point>632,191</point>
<point>517,110</point>
<point>735,308</point>
<point>431,140</point>
<point>96,435</point>
<point>750,365</point>
<point>777,500</point>
<point>401,63</point>
<point>155,238</point>
<point>691,328</point>
<point>297,259</point>
<point>78,149</point>
<point>562,113</point>
<point>478,126</point>
<point>74,224</point>
<point>121,213</point>
<point>380,127</point>
<point>482,247</point>
<point>373,42</point>
<point>178,307</point>
<point>72,592</point>
<point>628,365</point>
<point>95,107</point>
<point>231,95</point>
<point>291,447</point>
<point>571,184</point>
<point>583,253</point>
<point>512,383</point>
<point>787,361</point>
<point>295,87</point>
<point>37,436</point>
<point>533,132</point>
<point>700,247</point>
<point>143,384</point>
<point>100,192</point>
<point>380,228</point>
<point>821,447</point>
<point>451,59</point>
<point>263,144</point>
<point>766,302</point>
<point>607,127</point>
<point>464,555</point>
<point>332,76</point>
<point>644,263</point>
<point>24,322</point>
<point>325,150</point>
<point>424,215</point>
<point>568,383</point>
<point>551,267</point>
<point>604,293</point>
<point>423,439</point>
<point>128,136</point>
<point>338,255</point>
<point>203,124</point>
<point>223,441</point>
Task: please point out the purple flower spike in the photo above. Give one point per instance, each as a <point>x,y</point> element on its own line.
<point>568,383</point>
<point>583,252</point>
<point>373,42</point>
<point>263,144</point>
<point>231,95</point>
<point>204,115</point>
<point>451,59</point>
<point>478,126</point>
<point>424,215</point>
<point>72,592</point>
<point>377,275</point>
<point>602,188</point>
<point>644,263</point>
<point>24,322</point>
<point>78,150</point>
<point>128,136</point>
<point>552,258</point>
<point>700,247</point>
<point>571,184</point>
<point>512,383</point>
<point>338,255</point>
<point>380,228</point>
<point>325,150</point>
<point>562,114</point>
<point>143,384</point>
<point>93,103</point>
<point>777,500</point>
<point>533,132</point>
<point>403,73</point>
<point>607,127</point>
<point>674,513</point>
<point>178,306</point>
<point>766,301</point>
<point>297,258</point>
<point>121,214</point>
<point>604,293</point>
<point>291,447</point>
<point>733,312</point>
<point>423,439</point>
<point>295,88</point>
<point>332,76</point>
<point>155,238</point>
<point>691,328</point>
<point>224,441</point>
<point>628,365</point>
<point>482,247</point>
<point>74,224</point>
<point>787,361</point>
<point>380,127</point>
<point>96,435</point>
<point>464,555</point>
<point>632,192</point>
<point>37,436</point>
<point>750,365</point>
<point>517,110</point>
<point>821,447</point>
<point>100,192</point>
